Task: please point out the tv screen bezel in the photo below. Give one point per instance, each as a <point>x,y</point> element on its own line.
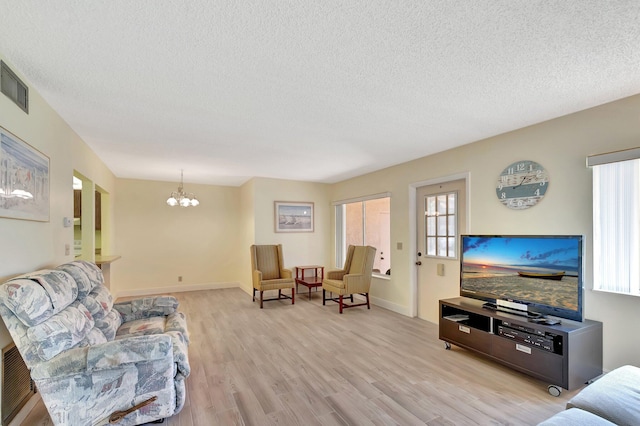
<point>535,307</point>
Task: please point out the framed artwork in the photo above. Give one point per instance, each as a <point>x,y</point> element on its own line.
<point>293,216</point>
<point>24,180</point>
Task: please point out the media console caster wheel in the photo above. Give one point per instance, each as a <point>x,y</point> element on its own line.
<point>447,346</point>
<point>554,390</point>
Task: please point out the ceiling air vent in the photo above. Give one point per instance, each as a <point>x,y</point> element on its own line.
<point>14,88</point>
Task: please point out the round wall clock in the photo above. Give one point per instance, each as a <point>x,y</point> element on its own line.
<point>522,185</point>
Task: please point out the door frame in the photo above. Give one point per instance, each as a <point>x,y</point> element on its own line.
<point>413,229</point>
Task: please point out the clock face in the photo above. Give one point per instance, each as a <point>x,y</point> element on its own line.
<point>522,185</point>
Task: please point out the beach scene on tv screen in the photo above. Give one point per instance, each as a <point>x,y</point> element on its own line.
<point>539,270</point>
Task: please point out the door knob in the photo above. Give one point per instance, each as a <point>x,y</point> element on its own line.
<point>418,263</point>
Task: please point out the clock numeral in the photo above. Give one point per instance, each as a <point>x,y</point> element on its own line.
<point>521,167</point>
<point>537,192</point>
<point>503,195</point>
<point>502,183</point>
<point>543,183</point>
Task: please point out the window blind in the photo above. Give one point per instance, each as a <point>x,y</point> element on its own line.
<point>616,224</point>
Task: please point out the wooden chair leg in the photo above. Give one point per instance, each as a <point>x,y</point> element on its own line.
<point>279,293</point>
<point>253,298</point>
<point>351,297</point>
<point>293,296</point>
<point>368,306</point>
<point>324,298</point>
<point>261,298</point>
<point>340,301</point>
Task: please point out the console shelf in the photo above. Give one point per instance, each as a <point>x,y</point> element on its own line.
<point>566,355</point>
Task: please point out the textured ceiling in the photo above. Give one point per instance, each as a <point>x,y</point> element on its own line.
<point>312,90</point>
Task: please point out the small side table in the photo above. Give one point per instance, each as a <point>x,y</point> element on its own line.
<point>313,281</point>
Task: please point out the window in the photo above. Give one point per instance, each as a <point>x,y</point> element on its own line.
<point>440,215</point>
<point>616,221</point>
<point>365,221</point>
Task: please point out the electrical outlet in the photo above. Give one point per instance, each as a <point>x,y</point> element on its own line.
<point>180,278</point>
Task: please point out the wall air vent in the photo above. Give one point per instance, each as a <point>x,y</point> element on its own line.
<point>17,386</point>
<point>14,88</point>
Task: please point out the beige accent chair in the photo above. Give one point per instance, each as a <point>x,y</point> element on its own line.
<point>268,272</point>
<point>354,278</point>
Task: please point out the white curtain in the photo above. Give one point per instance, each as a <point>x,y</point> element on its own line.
<point>616,227</point>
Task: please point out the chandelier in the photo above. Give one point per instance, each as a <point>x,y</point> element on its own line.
<point>181,198</point>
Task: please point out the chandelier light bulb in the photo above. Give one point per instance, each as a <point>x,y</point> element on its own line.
<point>181,198</point>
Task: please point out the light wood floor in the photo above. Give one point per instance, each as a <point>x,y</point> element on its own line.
<point>308,365</point>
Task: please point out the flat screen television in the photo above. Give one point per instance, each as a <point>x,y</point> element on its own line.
<point>537,274</point>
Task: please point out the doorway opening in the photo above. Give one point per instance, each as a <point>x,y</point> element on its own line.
<point>90,218</point>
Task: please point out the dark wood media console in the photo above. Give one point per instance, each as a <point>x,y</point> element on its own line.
<point>566,355</point>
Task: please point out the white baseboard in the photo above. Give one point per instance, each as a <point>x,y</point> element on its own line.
<point>399,309</point>
<point>174,289</point>
<point>402,310</point>
<point>394,307</point>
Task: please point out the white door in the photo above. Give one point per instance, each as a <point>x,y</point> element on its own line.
<point>383,261</point>
<point>441,216</point>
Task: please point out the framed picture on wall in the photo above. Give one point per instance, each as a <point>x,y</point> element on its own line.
<point>24,180</point>
<point>293,216</point>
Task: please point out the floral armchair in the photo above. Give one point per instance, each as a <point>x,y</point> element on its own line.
<point>91,358</point>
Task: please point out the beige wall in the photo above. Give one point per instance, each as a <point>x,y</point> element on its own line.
<point>299,248</point>
<point>560,145</point>
<point>247,232</point>
<point>257,198</point>
<point>208,245</point>
<point>159,243</point>
<point>27,245</point>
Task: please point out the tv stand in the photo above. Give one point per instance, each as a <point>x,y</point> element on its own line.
<point>565,355</point>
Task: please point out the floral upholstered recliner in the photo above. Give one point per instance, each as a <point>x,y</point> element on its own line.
<point>91,358</point>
